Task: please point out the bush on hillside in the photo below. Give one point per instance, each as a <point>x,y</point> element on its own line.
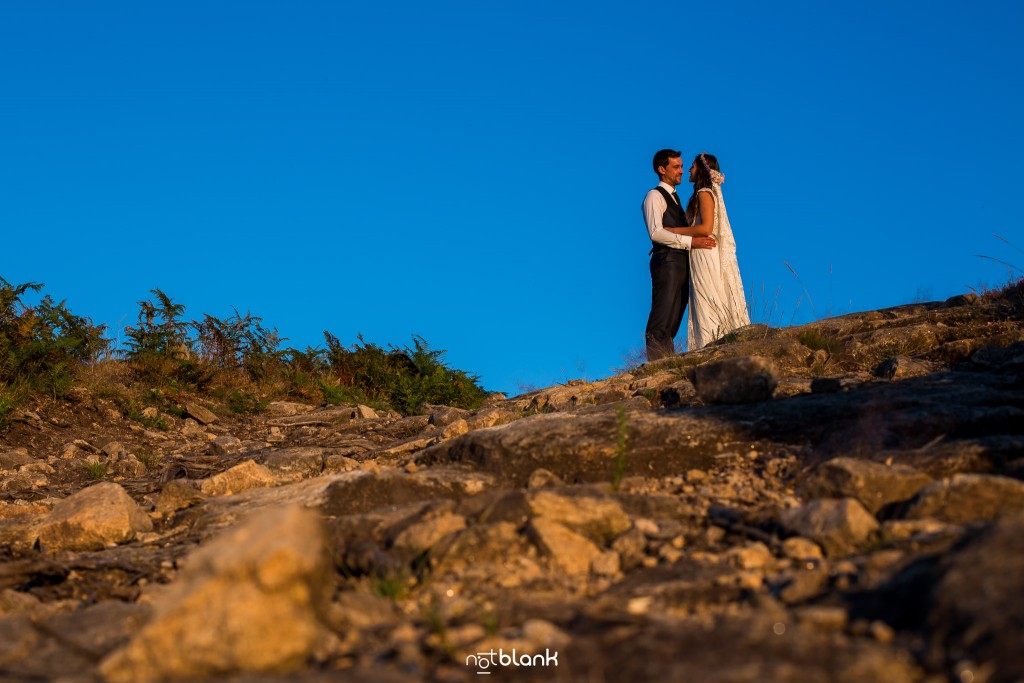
<point>239,342</point>
<point>41,346</point>
<point>403,379</point>
<point>236,360</point>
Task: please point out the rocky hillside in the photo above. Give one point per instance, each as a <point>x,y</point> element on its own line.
<point>836,502</point>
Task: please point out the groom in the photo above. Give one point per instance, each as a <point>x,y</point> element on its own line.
<point>670,258</point>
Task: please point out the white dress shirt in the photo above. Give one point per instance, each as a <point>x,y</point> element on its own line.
<point>654,211</point>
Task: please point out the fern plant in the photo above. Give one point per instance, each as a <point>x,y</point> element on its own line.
<point>41,346</point>
<point>400,378</point>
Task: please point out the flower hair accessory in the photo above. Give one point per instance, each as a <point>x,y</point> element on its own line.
<point>716,177</point>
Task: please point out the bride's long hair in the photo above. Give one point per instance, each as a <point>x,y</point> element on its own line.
<point>702,179</point>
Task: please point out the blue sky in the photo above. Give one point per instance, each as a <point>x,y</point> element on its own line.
<point>472,172</point>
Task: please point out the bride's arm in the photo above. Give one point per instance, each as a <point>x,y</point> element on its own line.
<point>707,210</point>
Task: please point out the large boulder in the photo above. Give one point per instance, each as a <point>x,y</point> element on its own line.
<point>590,447</point>
<point>251,600</point>
<point>875,485</point>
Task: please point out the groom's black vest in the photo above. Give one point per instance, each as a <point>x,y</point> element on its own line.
<point>674,217</point>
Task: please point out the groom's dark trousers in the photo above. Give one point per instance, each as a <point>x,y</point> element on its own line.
<point>670,287</point>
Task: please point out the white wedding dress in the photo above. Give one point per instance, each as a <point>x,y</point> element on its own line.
<point>717,303</point>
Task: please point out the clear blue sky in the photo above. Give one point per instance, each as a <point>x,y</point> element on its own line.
<point>472,172</point>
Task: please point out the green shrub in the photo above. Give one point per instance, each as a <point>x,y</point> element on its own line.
<point>160,332</point>
<point>236,359</point>
<point>41,346</point>
<point>403,379</point>
<point>239,342</point>
<point>241,402</point>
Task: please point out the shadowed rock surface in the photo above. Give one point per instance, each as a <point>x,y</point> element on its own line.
<point>841,501</point>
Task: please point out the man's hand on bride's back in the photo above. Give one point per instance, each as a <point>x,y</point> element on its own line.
<point>703,243</point>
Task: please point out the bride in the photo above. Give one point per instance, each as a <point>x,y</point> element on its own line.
<point>717,303</point>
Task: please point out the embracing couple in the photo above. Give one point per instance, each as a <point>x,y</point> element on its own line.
<point>693,259</point>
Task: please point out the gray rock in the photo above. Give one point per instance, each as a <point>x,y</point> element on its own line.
<point>442,416</point>
<point>572,552</point>
<point>454,429</point>
<point>873,484</point>
<point>361,412</point>
<point>657,381</point>
<point>200,414</point>
<point>744,379</point>
<point>19,526</point>
<point>600,519</point>
<point>541,478</point>
<point>128,466</point>
<point>631,548</point>
<point>968,299</point>
<point>839,525</point>
<point>632,404</point>
<point>13,459</point>
<point>678,394</point>
<point>336,462</point>
<point>802,550</point>
<point>177,494</point>
<point>967,498</point>
<point>287,408</point>
<point>841,383</point>
<point>21,482</point>
<point>996,356</point>
<point>904,529</point>
<point>562,397</point>
<point>243,477</point>
<point>496,554</point>
<point>296,463</point>
<point>801,583</point>
<point>613,395</point>
<point>225,445</point>
<point>826,385</point>
<point>607,563</point>
<point>366,492</point>
<point>91,519</point>
<point>112,449</point>
<point>423,535</point>
<point>191,428</point>
<point>902,367</point>
<point>488,417</point>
